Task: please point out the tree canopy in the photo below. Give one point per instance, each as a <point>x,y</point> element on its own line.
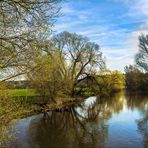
<point>65,61</point>
<point>142,56</point>
<point>23,24</point>
<point>83,57</point>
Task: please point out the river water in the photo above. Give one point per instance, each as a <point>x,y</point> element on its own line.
<point>120,121</point>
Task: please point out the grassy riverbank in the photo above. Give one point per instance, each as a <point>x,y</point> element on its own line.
<point>19,92</point>
<point>32,92</point>
<point>11,108</point>
<point>19,103</point>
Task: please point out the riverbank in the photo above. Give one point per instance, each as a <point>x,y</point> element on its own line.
<point>19,92</point>
<point>19,111</point>
<point>26,110</point>
<point>22,109</point>
<point>86,117</point>
<point>21,103</point>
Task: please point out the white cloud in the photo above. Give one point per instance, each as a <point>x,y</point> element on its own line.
<point>119,44</point>
<point>83,17</point>
<point>118,58</point>
<point>67,8</point>
<point>139,7</point>
<point>136,7</point>
<point>119,63</point>
<point>66,25</point>
<point>133,39</point>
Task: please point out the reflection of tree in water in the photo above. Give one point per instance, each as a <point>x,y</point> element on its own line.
<point>140,102</point>
<point>68,129</point>
<point>79,126</point>
<point>143,127</point>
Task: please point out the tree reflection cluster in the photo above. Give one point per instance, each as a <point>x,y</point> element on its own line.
<point>85,124</point>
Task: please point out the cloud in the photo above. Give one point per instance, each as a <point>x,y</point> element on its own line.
<point>65,26</point>
<point>67,8</point>
<point>119,63</point>
<point>118,58</point>
<point>136,7</point>
<point>133,39</point>
<point>115,30</point>
<point>139,7</point>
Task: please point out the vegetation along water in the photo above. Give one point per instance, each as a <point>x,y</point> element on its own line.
<point>73,74</point>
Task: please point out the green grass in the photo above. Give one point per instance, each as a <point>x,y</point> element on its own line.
<point>85,91</point>
<point>18,92</point>
<point>23,95</point>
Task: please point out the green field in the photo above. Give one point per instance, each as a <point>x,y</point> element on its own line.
<point>19,92</point>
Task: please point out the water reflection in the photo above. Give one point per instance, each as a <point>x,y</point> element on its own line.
<point>77,127</point>
<point>141,103</point>
<point>118,121</point>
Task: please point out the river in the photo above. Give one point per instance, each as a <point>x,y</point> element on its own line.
<point>119,121</point>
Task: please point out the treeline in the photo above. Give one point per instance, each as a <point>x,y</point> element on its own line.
<point>56,65</point>
<point>137,75</point>
<point>135,79</point>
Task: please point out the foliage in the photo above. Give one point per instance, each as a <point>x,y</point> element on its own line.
<point>10,108</point>
<point>85,91</point>
<point>104,83</point>
<point>110,81</point>
<point>135,79</point>
<point>47,78</point>
<point>82,56</point>
<point>7,105</point>
<point>23,26</point>
<point>141,57</point>
<point>137,76</point>
<point>66,61</point>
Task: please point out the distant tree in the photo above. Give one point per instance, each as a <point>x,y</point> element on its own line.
<point>142,56</point>
<point>132,77</point>
<point>110,81</point>
<point>135,79</point>
<point>137,75</point>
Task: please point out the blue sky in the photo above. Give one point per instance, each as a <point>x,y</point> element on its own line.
<point>114,24</point>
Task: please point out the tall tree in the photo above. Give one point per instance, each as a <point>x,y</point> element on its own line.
<point>65,61</point>
<point>142,56</point>
<point>83,57</point>
<point>135,79</point>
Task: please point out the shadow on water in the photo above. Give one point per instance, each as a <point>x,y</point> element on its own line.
<point>118,121</point>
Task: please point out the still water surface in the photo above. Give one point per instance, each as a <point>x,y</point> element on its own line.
<point>120,121</point>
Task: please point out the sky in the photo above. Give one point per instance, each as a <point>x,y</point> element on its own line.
<point>113,24</point>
